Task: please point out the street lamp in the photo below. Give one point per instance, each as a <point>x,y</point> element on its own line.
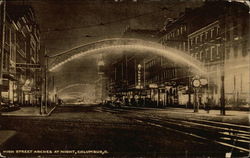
<point>100,65</point>
<point>46,82</point>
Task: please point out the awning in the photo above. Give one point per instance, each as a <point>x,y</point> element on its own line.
<point>10,77</point>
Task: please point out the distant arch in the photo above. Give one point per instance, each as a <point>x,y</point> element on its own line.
<point>70,86</point>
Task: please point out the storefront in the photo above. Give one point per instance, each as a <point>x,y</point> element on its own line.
<point>8,88</point>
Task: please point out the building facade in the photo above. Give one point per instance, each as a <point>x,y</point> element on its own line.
<point>218,39</point>
<point>221,45</point>
<point>216,34</point>
<point>22,68</point>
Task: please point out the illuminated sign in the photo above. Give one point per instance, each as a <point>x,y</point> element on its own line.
<point>28,66</point>
<point>139,86</point>
<point>196,83</point>
<point>153,85</point>
<point>203,81</point>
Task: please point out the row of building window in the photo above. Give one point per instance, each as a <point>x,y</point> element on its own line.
<point>208,54</point>
<point>206,35</point>
<point>214,52</point>
<point>176,32</point>
<point>152,63</point>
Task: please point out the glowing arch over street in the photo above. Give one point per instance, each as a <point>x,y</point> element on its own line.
<point>128,44</point>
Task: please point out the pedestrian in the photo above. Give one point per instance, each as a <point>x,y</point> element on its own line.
<point>208,104</point>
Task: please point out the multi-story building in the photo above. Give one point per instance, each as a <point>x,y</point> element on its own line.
<point>221,44</point>
<point>9,60</point>
<point>21,63</point>
<point>205,45</point>
<point>166,81</point>
<point>124,75</point>
<point>216,34</point>
<point>236,63</point>
<point>127,77</point>
<point>219,40</point>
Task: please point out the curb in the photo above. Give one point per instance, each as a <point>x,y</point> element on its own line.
<point>186,115</point>
<point>48,114</point>
<point>29,115</point>
<point>5,135</point>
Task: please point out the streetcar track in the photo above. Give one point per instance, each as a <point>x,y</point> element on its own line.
<point>198,136</point>
<point>242,138</point>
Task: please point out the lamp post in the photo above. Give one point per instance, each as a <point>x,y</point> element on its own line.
<point>46,83</point>
<point>100,65</point>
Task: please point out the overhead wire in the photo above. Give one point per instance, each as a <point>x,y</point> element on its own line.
<point>103,24</point>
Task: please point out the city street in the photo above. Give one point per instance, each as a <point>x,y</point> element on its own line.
<point>124,78</point>
<point>125,132</point>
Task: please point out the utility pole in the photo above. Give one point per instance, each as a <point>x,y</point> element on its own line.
<point>2,39</point>
<point>53,86</point>
<point>41,89</point>
<point>46,83</point>
<point>222,95</point>
<point>144,81</point>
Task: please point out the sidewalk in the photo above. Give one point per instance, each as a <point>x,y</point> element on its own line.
<point>28,111</point>
<point>5,135</point>
<point>232,116</point>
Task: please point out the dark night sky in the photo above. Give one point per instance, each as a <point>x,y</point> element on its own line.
<point>68,23</point>
<point>65,23</point>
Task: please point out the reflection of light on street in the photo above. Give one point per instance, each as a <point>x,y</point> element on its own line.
<point>172,54</point>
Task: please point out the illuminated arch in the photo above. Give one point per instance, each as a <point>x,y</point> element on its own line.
<point>124,44</point>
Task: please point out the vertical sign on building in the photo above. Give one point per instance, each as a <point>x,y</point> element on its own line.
<point>139,76</point>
